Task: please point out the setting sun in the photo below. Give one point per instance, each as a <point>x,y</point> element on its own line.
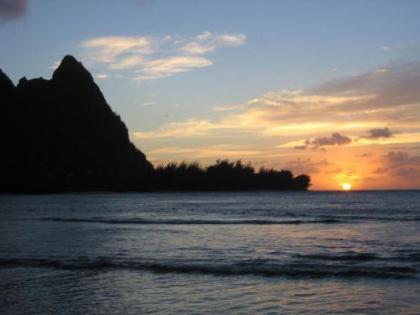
<point>346,186</point>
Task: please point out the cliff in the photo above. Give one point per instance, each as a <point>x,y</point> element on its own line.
<point>61,135</point>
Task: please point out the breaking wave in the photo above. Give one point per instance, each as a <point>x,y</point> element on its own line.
<point>257,268</point>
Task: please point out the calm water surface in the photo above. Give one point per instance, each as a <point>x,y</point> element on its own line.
<point>211,253</point>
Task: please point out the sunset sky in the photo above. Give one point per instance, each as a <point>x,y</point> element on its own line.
<point>327,88</point>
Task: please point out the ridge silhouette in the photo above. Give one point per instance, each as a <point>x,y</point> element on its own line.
<point>61,135</point>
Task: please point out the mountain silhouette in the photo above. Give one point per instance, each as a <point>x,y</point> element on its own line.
<point>60,135</point>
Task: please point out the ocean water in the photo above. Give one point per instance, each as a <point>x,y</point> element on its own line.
<point>211,253</point>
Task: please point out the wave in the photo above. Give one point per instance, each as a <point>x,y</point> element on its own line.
<point>288,218</point>
<point>193,221</point>
<point>412,256</point>
<point>369,217</point>
<point>347,256</point>
<point>256,268</point>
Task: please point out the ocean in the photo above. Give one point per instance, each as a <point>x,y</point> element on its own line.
<point>211,253</point>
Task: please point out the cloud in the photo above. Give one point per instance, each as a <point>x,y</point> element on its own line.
<point>151,58</point>
<point>119,52</point>
<point>12,9</point>
<point>353,105</point>
<point>231,40</point>
<point>195,48</point>
<point>394,90</point>
<point>379,133</point>
<point>272,114</point>
<point>397,156</point>
<point>192,128</point>
<point>116,49</point>
<point>334,140</point>
<point>128,62</point>
<point>400,164</point>
<point>208,42</point>
<point>410,172</point>
<point>161,68</point>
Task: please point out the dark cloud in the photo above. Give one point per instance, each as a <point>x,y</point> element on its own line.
<point>317,143</point>
<point>379,133</point>
<point>397,156</point>
<point>390,94</point>
<point>334,139</point>
<point>400,164</point>
<point>406,172</point>
<point>394,86</point>
<point>12,9</point>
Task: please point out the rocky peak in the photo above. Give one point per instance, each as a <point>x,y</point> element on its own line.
<point>71,70</point>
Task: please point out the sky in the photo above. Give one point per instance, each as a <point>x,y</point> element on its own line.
<point>326,88</point>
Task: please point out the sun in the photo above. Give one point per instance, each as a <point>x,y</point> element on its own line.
<point>346,186</point>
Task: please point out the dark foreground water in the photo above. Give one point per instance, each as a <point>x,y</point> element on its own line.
<point>211,253</point>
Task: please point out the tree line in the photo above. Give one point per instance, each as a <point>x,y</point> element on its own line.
<point>224,175</point>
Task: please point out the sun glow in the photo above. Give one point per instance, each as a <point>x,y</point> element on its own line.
<point>346,186</point>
